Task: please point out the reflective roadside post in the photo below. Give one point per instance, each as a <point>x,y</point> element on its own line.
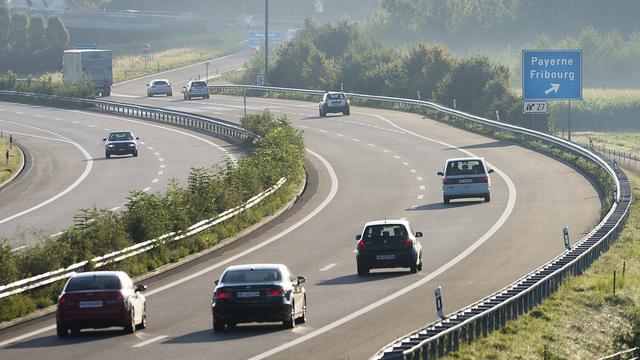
<point>7,158</point>
<point>10,141</point>
<point>206,65</point>
<point>565,235</point>
<point>439,307</point>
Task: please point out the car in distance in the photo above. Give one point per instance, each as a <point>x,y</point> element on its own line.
<point>388,244</point>
<point>120,143</point>
<point>100,299</point>
<point>334,102</point>
<point>258,293</point>
<point>159,86</point>
<point>466,177</point>
<point>196,88</point>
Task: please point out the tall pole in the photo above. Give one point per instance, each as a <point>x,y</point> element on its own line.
<point>569,120</point>
<point>266,43</point>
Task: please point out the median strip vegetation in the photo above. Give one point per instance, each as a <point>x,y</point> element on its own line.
<point>277,151</point>
<point>8,167</point>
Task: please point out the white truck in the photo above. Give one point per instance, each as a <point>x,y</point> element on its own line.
<point>89,65</point>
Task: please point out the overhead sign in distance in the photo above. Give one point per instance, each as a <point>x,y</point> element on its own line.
<point>535,107</point>
<point>552,74</point>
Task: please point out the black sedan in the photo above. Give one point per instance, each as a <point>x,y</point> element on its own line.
<point>258,293</point>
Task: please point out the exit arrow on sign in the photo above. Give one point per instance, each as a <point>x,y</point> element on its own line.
<point>554,88</point>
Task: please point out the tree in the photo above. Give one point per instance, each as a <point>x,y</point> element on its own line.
<point>424,67</point>
<point>5,19</point>
<point>18,27</point>
<point>36,32</point>
<point>56,35</point>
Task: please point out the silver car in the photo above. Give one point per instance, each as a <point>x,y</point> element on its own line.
<point>159,86</point>
<point>196,88</point>
<point>466,178</point>
<point>334,102</point>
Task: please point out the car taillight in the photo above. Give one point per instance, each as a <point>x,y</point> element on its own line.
<point>362,245</point>
<point>271,293</point>
<point>222,295</point>
<point>62,299</point>
<point>119,299</point>
<point>485,179</point>
<point>447,181</point>
<point>408,242</point>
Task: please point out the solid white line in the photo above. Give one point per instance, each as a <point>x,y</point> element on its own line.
<point>115,208</point>
<point>91,126</point>
<point>26,336</point>
<point>147,342</point>
<point>328,267</point>
<point>85,173</point>
<point>323,131</point>
<point>19,113</point>
<point>511,202</point>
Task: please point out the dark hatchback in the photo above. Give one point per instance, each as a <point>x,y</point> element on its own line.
<point>388,244</point>
<point>100,299</point>
<point>258,293</point>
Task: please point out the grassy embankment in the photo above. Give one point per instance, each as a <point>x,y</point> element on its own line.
<point>584,319</point>
<point>8,169</point>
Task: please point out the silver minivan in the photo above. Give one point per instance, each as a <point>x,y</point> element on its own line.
<point>466,178</point>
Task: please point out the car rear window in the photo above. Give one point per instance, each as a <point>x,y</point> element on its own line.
<point>102,282</point>
<point>160,82</point>
<point>464,167</point>
<point>335,96</point>
<point>383,232</point>
<point>251,276</point>
<point>199,84</point>
<point>120,136</point>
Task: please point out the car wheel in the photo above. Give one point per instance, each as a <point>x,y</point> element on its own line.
<point>75,331</point>
<point>346,113</point>
<point>107,155</point>
<point>446,200</point>
<point>62,331</point>
<point>420,263</point>
<point>218,326</point>
<point>135,153</point>
<point>143,323</point>
<point>303,318</point>
<point>207,97</point>
<point>290,323</point>
<point>362,270</point>
<point>184,96</point>
<point>413,268</point>
<point>170,94</point>
<point>131,327</point>
<point>487,198</point>
<point>148,94</point>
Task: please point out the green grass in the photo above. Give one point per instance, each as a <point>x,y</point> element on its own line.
<point>15,156</point>
<point>626,142</point>
<point>583,319</point>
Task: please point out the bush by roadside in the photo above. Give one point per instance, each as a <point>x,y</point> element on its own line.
<point>277,152</point>
<point>8,168</point>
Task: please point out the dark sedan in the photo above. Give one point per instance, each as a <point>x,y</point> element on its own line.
<point>258,293</point>
<point>100,299</point>
<point>120,143</point>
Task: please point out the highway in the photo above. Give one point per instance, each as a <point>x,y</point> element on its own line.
<point>373,164</point>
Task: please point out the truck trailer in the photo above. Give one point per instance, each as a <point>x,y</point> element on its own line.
<point>89,65</point>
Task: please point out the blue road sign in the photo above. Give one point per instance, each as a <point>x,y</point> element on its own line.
<point>552,74</point>
<point>256,38</point>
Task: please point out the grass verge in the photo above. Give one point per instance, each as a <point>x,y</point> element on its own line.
<point>8,168</point>
<point>584,319</point>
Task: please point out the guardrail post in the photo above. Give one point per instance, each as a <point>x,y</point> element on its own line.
<point>484,326</point>
<point>440,346</point>
<point>456,341</point>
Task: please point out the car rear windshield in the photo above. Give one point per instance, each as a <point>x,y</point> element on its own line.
<point>199,84</point>
<point>251,276</point>
<point>335,96</point>
<point>465,167</point>
<point>120,136</point>
<point>101,282</point>
<point>159,82</point>
<point>384,232</point>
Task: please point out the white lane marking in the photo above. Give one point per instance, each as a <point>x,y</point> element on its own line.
<point>146,189</point>
<point>328,267</point>
<point>115,208</point>
<point>152,340</point>
<point>420,197</point>
<point>396,156</point>
<point>422,187</point>
<point>154,180</point>
<point>355,139</point>
<point>162,166</point>
<point>57,119</point>
<point>160,159</point>
<point>511,202</point>
<point>76,122</point>
<point>38,116</point>
<point>385,150</point>
<point>323,131</point>
<point>371,145</point>
<point>316,211</point>
<point>413,171</point>
<point>19,113</point>
<point>405,163</point>
<point>157,153</point>
<point>56,234</point>
<point>27,335</point>
<point>160,172</point>
<point>419,178</point>
<point>150,148</point>
<point>91,126</point>
<point>85,173</point>
<point>340,135</point>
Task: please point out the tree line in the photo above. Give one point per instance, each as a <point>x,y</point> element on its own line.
<point>31,43</point>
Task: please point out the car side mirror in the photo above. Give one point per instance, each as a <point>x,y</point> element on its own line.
<point>147,84</point>
<point>301,279</point>
<point>141,288</point>
<point>358,237</point>
<point>104,139</point>
<point>490,171</point>
<point>216,282</point>
<point>418,233</point>
<point>137,138</point>
<point>440,173</point>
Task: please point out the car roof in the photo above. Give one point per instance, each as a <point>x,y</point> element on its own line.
<point>99,273</point>
<point>388,221</point>
<point>165,80</point>
<point>334,92</point>
<point>257,267</point>
<point>466,158</point>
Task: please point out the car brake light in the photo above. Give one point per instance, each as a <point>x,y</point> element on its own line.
<point>447,181</point>
<point>118,300</point>
<point>362,245</point>
<point>408,242</point>
<point>222,295</point>
<point>62,300</point>
<point>485,179</point>
<point>278,292</point>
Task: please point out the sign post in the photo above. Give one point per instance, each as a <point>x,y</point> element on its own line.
<point>146,49</point>
<point>439,307</point>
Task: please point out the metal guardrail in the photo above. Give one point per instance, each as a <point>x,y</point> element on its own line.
<point>631,354</point>
<point>218,127</point>
<point>492,313</point>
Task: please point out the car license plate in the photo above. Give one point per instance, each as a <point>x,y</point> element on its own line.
<point>90,304</point>
<point>248,294</point>
<point>465,181</point>
<point>385,257</point>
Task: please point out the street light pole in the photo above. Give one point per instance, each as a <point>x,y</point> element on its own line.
<point>265,81</point>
